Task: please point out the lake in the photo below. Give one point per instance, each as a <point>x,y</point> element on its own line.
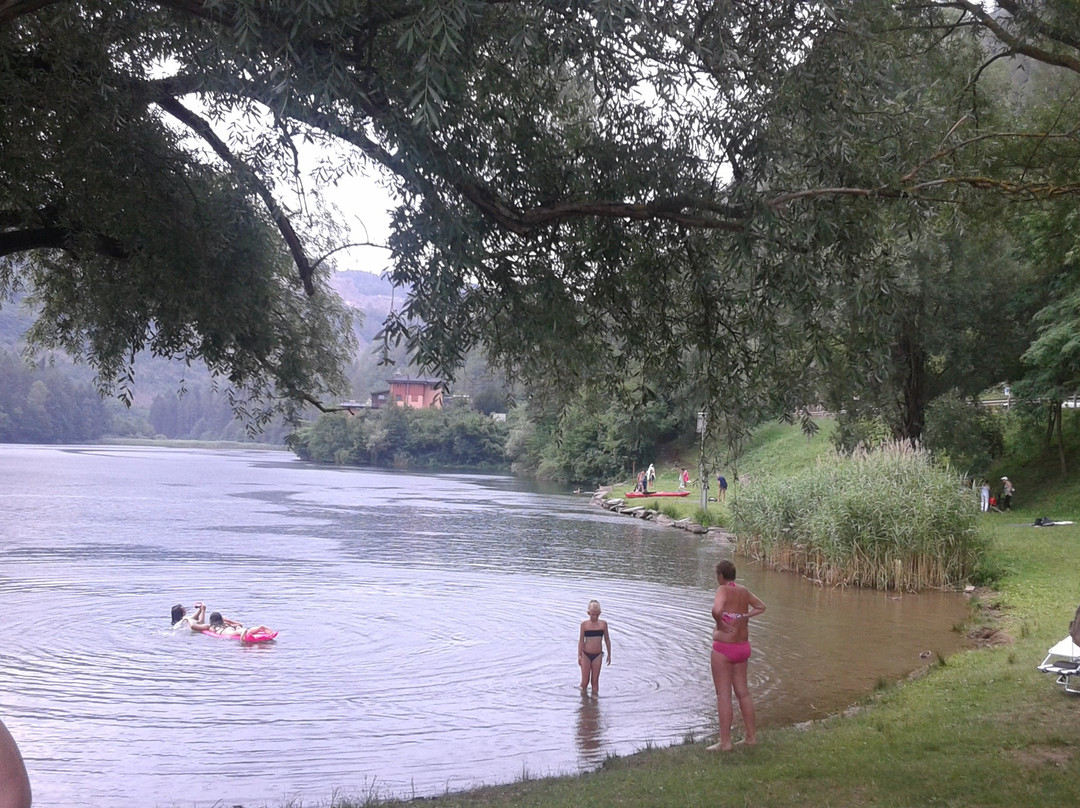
<point>428,630</point>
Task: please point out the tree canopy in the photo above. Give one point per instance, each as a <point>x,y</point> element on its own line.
<point>701,196</point>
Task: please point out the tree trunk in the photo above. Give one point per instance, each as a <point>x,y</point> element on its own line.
<point>910,364</point>
<point>1060,440</point>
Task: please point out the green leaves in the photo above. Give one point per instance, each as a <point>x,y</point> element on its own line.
<point>709,196</point>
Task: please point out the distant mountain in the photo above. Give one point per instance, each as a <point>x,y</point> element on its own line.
<point>371,294</point>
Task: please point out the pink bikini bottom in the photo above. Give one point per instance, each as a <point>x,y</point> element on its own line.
<point>734,652</point>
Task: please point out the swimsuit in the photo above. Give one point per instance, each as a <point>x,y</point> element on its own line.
<point>594,632</point>
<point>734,652</point>
<point>728,617</point>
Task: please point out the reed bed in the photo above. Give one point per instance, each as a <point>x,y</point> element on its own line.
<point>886,518</point>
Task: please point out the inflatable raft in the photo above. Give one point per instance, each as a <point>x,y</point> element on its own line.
<point>252,636</point>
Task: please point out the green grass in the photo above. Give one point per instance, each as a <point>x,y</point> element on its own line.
<point>783,449</point>
<point>1035,469</point>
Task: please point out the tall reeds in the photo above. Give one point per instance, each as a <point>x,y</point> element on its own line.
<point>885,518</point>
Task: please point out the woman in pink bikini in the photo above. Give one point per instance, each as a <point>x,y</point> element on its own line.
<point>732,609</point>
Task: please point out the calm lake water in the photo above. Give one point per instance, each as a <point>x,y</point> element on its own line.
<point>428,630</point>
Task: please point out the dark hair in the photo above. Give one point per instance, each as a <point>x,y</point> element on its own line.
<point>726,570</point>
<point>215,619</point>
<point>177,613</point>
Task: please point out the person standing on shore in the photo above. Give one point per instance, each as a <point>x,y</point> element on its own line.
<point>984,496</point>
<point>732,609</point>
<point>1007,490</point>
<point>721,483</point>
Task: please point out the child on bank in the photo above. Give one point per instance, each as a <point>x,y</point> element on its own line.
<point>594,631</point>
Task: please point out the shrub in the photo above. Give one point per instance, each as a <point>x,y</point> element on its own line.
<point>969,436</point>
<point>405,438</point>
<point>885,518</point>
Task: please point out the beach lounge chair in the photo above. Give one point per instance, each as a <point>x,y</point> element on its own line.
<point>1063,660</point>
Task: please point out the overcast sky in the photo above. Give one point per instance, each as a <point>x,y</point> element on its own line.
<point>365,205</point>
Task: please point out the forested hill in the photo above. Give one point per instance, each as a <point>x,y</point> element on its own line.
<point>56,402</point>
<point>370,294</point>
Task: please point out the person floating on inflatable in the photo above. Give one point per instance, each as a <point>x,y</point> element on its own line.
<point>221,626</point>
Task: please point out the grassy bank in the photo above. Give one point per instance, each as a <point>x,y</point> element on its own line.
<point>982,728</point>
<point>775,449</point>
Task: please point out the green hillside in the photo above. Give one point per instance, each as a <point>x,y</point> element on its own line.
<point>774,448</point>
<point>1043,488</point>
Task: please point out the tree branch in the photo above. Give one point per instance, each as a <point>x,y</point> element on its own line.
<point>55,237</point>
<point>202,128</point>
<point>1015,43</point>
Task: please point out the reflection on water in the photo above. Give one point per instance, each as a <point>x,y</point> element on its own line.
<point>428,627</point>
<point>590,739</point>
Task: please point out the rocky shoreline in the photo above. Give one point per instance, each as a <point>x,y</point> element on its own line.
<point>602,498</point>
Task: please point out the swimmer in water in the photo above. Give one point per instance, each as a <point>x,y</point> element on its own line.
<point>732,609</point>
<point>594,631</point>
<point>181,618</point>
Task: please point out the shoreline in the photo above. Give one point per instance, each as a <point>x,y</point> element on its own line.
<point>601,498</point>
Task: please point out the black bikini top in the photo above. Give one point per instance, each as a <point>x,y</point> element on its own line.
<point>594,632</point>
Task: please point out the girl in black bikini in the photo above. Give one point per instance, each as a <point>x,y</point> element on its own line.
<point>594,631</point>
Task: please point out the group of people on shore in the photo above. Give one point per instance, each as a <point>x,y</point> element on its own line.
<point>733,606</point>
<point>215,624</point>
<point>987,501</point>
<point>646,478</point>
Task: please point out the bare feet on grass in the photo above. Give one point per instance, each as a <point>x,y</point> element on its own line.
<point>719,747</point>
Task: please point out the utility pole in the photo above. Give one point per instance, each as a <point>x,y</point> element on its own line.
<point>703,478</point>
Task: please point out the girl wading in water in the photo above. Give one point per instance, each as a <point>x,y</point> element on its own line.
<point>594,631</point>
<point>732,609</point>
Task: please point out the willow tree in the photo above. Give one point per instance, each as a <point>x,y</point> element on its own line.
<point>682,193</point>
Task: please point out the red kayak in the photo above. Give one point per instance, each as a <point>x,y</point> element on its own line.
<point>639,495</point>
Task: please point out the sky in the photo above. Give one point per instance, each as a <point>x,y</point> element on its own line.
<point>366,207</point>
<point>362,200</point>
